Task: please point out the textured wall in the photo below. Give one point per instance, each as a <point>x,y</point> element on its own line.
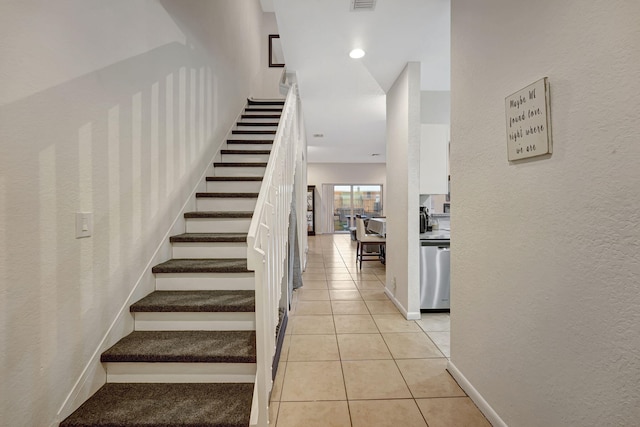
<point>113,108</point>
<point>403,188</point>
<point>545,253</point>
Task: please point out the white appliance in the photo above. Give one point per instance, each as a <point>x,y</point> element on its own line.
<point>435,260</point>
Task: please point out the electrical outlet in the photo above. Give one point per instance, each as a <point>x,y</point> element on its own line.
<point>84,224</point>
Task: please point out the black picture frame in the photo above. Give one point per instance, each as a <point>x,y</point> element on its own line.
<point>275,51</point>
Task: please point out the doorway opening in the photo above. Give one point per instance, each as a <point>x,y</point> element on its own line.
<point>351,201</point>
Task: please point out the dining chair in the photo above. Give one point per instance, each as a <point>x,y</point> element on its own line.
<point>366,241</point>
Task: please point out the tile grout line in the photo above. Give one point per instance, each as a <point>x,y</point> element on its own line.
<point>344,380</point>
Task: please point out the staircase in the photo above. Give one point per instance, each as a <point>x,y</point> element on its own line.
<point>191,360</point>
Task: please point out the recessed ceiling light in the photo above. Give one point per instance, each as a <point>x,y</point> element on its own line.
<point>356,53</point>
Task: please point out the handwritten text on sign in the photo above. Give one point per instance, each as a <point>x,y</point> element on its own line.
<point>528,121</point>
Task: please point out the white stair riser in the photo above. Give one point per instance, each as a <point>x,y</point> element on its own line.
<point>245,158</point>
<point>205,281</point>
<point>143,372</point>
<point>239,171</point>
<point>249,146</point>
<point>258,128</point>
<point>209,250</point>
<point>233,186</point>
<point>225,204</point>
<point>252,136</point>
<point>218,225</point>
<point>201,321</point>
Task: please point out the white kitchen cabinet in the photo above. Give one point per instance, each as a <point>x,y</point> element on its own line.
<point>434,159</point>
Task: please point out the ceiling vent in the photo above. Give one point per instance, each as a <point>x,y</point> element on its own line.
<point>361,5</point>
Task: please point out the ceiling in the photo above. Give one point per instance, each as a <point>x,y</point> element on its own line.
<point>344,99</point>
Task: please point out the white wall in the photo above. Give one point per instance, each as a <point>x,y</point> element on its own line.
<point>545,304</point>
<point>435,107</point>
<point>269,82</point>
<point>113,108</point>
<point>343,173</point>
<point>403,183</point>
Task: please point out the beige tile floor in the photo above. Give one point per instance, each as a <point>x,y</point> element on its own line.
<point>351,359</point>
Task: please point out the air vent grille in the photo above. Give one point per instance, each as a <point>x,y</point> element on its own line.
<point>361,5</point>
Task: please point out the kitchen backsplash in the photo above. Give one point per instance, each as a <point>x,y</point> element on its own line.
<point>434,202</point>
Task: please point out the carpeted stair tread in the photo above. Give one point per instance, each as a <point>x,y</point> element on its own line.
<point>265,101</point>
<point>234,178</point>
<point>196,302</point>
<point>227,195</point>
<point>253,132</point>
<point>258,124</point>
<point>245,151</point>
<point>184,347</point>
<point>209,238</point>
<point>273,109</point>
<point>204,265</point>
<point>250,141</point>
<point>261,116</point>
<point>219,214</point>
<point>165,405</point>
<point>240,164</point>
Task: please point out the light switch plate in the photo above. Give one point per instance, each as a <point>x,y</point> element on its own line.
<point>84,224</point>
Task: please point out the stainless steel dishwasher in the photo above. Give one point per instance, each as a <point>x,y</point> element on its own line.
<point>435,260</point>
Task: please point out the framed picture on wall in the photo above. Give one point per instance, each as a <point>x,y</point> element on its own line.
<point>276,56</point>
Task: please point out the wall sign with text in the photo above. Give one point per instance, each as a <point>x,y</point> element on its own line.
<point>529,121</point>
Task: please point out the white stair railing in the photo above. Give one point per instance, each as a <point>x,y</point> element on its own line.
<point>267,243</point>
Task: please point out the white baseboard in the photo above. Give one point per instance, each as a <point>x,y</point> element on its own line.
<point>474,395</point>
<point>409,315</point>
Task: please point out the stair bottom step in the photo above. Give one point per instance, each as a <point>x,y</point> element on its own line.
<point>166,405</point>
